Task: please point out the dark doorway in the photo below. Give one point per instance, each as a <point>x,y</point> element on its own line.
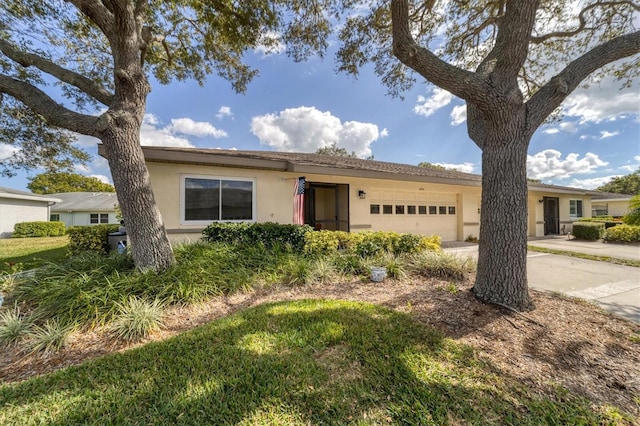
<point>551,215</point>
<point>327,206</point>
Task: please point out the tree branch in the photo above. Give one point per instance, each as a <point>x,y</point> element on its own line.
<point>40,103</point>
<point>97,13</point>
<point>83,83</point>
<point>512,41</point>
<point>551,95</point>
<point>462,83</point>
<point>583,21</point>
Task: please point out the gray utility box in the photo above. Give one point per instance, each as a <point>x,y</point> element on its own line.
<point>118,241</point>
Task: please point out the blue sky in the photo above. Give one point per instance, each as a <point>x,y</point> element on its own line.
<point>304,106</point>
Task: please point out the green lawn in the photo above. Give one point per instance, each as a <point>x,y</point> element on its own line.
<point>29,253</point>
<point>292,363</point>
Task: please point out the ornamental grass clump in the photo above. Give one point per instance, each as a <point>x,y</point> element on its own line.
<point>136,319</point>
<point>14,326</point>
<point>443,265</point>
<point>52,336</point>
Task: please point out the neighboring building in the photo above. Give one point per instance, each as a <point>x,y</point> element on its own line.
<point>21,206</point>
<point>194,187</point>
<point>85,208</point>
<point>610,204</point>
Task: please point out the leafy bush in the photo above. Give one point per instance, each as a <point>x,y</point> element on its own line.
<point>38,229</point>
<point>268,234</point>
<point>366,244</point>
<point>623,234</point>
<point>90,238</point>
<point>633,218</point>
<point>588,230</point>
<point>608,221</point>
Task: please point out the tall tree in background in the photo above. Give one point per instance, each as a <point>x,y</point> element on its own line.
<point>99,55</point>
<point>514,62</point>
<point>57,182</point>
<point>629,184</point>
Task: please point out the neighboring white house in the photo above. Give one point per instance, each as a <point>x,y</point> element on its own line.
<point>85,208</point>
<point>21,206</point>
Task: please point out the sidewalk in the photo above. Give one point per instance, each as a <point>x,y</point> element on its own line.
<point>615,288</point>
<point>597,248</point>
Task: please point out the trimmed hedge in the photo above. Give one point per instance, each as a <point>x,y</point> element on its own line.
<point>369,243</point>
<point>623,234</point>
<point>269,234</point>
<point>38,229</point>
<point>588,230</point>
<point>304,238</point>
<point>90,238</point>
<point>608,221</point>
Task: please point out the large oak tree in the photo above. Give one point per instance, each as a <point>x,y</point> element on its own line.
<point>514,62</point>
<point>99,55</point>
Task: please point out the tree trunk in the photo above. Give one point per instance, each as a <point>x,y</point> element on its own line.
<point>150,246</point>
<point>502,263</point>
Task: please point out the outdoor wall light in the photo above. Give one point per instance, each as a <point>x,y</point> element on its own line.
<point>541,200</point>
<point>362,194</point>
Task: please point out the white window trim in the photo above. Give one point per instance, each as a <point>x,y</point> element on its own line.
<point>183,178</point>
<point>99,218</point>
<point>575,216</point>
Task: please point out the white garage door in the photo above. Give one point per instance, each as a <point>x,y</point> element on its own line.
<point>416,212</point>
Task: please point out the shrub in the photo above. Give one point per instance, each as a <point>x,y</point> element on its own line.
<point>90,238</point>
<point>269,234</point>
<point>137,318</point>
<point>623,234</point>
<point>443,265</point>
<point>588,230</point>
<point>50,337</point>
<point>13,326</point>
<point>366,244</point>
<point>38,229</point>
<point>608,221</point>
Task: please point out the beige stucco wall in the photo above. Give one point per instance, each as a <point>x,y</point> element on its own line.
<point>14,211</point>
<point>614,208</point>
<point>274,200</point>
<point>536,211</point>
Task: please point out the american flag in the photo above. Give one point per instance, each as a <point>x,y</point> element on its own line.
<point>298,201</point>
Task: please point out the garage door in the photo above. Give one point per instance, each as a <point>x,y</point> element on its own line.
<point>417,212</point>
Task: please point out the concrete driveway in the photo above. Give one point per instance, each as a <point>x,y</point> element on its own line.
<point>615,288</point>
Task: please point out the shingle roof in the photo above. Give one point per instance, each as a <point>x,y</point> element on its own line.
<point>24,195</point>
<point>323,163</point>
<point>85,201</point>
<point>596,195</point>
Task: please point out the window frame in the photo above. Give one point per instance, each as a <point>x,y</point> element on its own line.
<point>579,212</point>
<point>183,180</point>
<point>99,218</point>
<point>52,215</point>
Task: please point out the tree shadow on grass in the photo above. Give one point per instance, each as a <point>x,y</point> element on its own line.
<point>34,260</point>
<point>302,362</point>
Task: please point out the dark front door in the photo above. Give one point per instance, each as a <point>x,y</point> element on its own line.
<point>327,206</point>
<point>551,215</point>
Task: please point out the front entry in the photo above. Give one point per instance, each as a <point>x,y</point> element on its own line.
<point>551,215</point>
<point>327,206</point>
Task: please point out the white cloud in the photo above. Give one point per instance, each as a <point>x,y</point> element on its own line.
<point>427,106</point>
<point>464,167</point>
<point>270,44</point>
<point>591,183</point>
<point>102,178</point>
<point>458,115</point>
<point>567,126</point>
<point>605,134</point>
<point>223,112</point>
<point>602,101</point>
<point>551,131</point>
<point>84,141</point>
<point>306,129</point>
<point>151,134</point>
<point>6,151</point>
<point>548,164</point>
<point>187,126</point>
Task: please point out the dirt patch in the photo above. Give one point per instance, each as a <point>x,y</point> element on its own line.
<point>567,342</point>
